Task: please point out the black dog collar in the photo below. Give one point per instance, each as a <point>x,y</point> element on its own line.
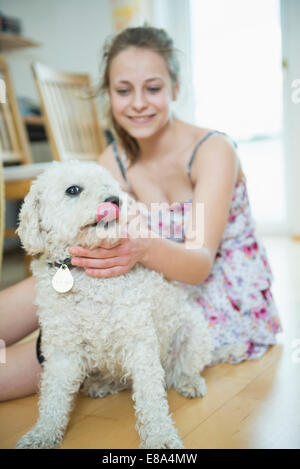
<point>66,262</point>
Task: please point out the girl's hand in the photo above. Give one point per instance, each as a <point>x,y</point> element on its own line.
<point>111,260</point>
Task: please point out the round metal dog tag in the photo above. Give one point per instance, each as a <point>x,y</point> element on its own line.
<point>62,280</point>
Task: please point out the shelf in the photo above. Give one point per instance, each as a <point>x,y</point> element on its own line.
<point>10,41</point>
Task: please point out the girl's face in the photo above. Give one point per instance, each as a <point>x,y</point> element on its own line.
<point>141,91</point>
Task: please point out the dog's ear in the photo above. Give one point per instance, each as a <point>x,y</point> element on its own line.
<point>29,229</point>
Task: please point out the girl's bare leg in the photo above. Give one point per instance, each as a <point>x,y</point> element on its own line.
<point>20,375</point>
<point>17,312</point>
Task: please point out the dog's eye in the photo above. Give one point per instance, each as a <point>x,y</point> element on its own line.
<point>74,190</point>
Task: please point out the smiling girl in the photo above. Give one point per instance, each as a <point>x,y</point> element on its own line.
<point>156,157</point>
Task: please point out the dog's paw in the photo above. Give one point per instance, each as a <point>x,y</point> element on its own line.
<point>95,388</point>
<point>192,386</point>
<point>95,391</point>
<point>38,440</point>
<point>160,435</point>
<point>170,442</point>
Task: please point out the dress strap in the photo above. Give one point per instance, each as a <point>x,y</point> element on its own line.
<point>200,143</point>
<point>122,162</point>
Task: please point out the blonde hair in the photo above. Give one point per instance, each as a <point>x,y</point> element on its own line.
<point>145,37</point>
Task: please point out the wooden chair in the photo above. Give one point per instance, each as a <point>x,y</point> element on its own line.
<point>14,146</point>
<point>71,118</point>
<point>18,170</point>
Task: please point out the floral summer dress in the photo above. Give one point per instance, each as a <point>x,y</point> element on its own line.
<point>236,297</point>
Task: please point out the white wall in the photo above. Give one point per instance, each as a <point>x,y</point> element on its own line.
<point>173,15</point>
<point>71,33</point>
<point>290,14</point>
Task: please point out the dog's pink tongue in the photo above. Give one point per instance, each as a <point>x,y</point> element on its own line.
<point>107,212</point>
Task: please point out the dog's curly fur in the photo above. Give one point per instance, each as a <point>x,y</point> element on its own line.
<point>136,330</point>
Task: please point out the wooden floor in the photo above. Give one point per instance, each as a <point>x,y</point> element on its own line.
<point>255,404</point>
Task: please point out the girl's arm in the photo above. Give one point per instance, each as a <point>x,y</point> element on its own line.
<point>176,262</point>
<point>214,174</point>
<point>171,259</point>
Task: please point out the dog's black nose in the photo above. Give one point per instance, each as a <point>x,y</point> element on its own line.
<point>114,200</point>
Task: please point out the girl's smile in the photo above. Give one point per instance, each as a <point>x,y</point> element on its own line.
<point>141,119</point>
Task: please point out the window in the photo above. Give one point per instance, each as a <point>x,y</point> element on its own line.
<point>237,78</point>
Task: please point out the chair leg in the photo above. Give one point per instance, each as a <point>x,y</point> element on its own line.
<point>28,260</point>
<point>10,233</point>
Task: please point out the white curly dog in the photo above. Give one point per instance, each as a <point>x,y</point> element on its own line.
<point>136,330</point>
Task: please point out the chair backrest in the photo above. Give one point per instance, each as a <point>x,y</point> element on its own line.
<point>71,117</point>
<point>14,147</point>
